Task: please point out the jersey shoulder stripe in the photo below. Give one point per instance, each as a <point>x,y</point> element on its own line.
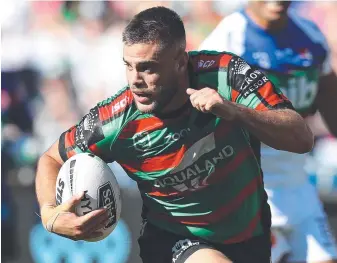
<point>103,122</point>
<point>205,61</point>
<point>115,105</point>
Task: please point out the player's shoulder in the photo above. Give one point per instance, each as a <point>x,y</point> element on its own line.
<point>231,29</point>
<point>308,27</point>
<point>204,61</point>
<point>232,22</point>
<point>116,105</point>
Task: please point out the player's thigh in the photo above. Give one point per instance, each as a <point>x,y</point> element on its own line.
<point>207,255</point>
<point>312,241</point>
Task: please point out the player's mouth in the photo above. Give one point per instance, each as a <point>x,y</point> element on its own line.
<point>143,98</point>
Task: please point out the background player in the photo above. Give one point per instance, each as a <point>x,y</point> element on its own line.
<point>293,53</point>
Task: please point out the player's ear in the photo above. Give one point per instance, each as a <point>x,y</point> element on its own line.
<point>182,62</point>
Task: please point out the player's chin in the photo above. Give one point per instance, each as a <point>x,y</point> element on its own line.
<point>147,108</point>
<point>278,15</point>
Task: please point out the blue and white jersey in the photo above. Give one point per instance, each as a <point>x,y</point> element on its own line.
<point>293,58</point>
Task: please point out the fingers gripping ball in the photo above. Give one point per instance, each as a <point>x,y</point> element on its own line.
<point>87,173</point>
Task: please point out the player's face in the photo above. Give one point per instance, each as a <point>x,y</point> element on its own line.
<point>272,11</point>
<point>152,75</point>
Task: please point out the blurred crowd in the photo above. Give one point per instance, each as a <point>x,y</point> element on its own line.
<point>59,58</point>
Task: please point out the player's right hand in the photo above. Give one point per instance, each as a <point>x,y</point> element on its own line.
<point>63,221</point>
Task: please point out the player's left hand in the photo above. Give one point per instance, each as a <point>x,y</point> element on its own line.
<point>209,101</point>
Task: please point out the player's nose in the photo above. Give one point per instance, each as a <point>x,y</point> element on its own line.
<point>136,80</point>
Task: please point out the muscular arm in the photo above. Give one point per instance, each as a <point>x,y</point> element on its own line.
<point>326,101</point>
<point>47,170</point>
<point>281,129</point>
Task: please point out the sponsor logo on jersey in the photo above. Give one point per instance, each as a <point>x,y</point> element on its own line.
<point>106,199</point>
<point>240,66</point>
<point>142,141</point>
<point>187,176</point>
<point>253,82</point>
<point>174,137</point>
<point>262,59</point>
<point>119,105</point>
<point>283,53</point>
<point>181,246</point>
<point>246,81</point>
<point>89,130</point>
<point>301,56</point>
<point>205,64</point>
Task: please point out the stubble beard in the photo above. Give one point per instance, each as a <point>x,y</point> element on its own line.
<point>166,96</point>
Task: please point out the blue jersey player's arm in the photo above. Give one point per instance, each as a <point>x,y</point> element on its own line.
<point>327,92</point>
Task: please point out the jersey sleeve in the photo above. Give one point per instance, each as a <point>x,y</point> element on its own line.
<point>251,88</point>
<point>97,130</point>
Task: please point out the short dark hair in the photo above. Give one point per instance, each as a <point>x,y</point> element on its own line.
<point>156,25</point>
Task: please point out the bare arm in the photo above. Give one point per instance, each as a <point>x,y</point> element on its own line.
<point>281,129</point>
<point>326,101</point>
<point>47,170</point>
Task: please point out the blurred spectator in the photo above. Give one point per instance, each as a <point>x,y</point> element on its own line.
<point>56,112</point>
<point>199,18</point>
<point>95,54</point>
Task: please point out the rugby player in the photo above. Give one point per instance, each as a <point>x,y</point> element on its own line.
<point>294,55</point>
<point>187,130</point>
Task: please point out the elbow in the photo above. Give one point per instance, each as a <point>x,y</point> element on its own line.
<point>43,158</point>
<point>304,141</point>
<point>305,146</point>
<point>333,131</point>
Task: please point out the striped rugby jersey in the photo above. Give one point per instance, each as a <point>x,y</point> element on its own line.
<point>198,174</point>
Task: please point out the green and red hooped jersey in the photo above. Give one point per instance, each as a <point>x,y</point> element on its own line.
<point>198,174</point>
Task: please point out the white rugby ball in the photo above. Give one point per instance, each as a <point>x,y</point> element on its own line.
<point>85,172</point>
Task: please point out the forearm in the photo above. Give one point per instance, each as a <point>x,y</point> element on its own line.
<point>332,126</point>
<point>326,101</point>
<point>280,129</point>
<point>46,176</point>
<point>328,111</point>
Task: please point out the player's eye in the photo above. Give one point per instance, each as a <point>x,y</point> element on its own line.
<point>146,69</point>
<point>128,66</point>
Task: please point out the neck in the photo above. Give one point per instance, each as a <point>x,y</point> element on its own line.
<point>265,24</point>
